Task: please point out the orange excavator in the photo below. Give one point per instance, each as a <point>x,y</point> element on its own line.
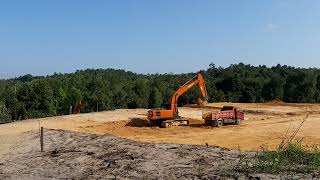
<point>170,117</point>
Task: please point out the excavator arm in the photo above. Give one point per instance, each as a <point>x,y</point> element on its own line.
<point>196,80</point>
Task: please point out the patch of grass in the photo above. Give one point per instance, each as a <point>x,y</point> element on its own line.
<point>199,167</point>
<point>290,156</point>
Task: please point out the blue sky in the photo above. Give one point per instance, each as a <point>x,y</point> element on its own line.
<point>42,37</point>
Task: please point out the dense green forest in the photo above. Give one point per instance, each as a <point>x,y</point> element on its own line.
<point>104,89</point>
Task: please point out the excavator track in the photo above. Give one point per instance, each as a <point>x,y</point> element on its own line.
<point>174,123</point>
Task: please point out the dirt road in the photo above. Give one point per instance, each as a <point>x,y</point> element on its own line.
<point>265,124</point>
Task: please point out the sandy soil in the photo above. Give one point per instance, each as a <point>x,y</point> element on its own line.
<point>9,133</point>
<point>265,124</point>
<point>71,155</point>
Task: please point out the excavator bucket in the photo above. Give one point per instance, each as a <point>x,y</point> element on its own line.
<point>200,103</point>
<point>207,116</point>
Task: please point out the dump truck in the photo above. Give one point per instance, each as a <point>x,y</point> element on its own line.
<point>227,115</point>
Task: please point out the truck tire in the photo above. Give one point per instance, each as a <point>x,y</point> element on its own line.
<point>238,121</point>
<point>218,123</point>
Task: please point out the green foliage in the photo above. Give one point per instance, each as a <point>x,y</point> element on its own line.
<point>155,98</point>
<point>4,114</point>
<point>11,101</point>
<point>273,89</point>
<point>98,90</point>
<point>288,157</point>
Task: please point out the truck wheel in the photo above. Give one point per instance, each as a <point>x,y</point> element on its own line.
<point>218,123</point>
<point>238,121</point>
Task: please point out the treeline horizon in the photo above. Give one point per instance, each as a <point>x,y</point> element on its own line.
<point>106,89</point>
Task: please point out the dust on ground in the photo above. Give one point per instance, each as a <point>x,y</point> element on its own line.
<point>9,133</point>
<point>71,155</point>
<point>265,124</point>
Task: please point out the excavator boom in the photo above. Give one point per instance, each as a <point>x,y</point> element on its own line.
<point>196,80</point>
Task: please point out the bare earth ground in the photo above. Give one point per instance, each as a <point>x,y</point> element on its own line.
<point>71,155</point>
<point>265,124</point>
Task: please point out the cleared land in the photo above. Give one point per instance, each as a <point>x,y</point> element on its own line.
<point>265,124</point>
<point>71,155</point>
<point>121,144</point>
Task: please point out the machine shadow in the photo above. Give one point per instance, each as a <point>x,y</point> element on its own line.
<point>142,122</point>
<point>196,125</point>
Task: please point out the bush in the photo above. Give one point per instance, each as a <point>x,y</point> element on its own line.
<point>291,157</point>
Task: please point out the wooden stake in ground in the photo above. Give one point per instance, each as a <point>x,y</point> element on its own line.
<point>41,139</point>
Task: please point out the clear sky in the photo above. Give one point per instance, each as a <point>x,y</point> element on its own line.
<point>148,36</point>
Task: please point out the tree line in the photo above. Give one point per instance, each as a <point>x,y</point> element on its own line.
<point>106,89</point>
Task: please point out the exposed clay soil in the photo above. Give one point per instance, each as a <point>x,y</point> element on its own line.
<point>265,124</point>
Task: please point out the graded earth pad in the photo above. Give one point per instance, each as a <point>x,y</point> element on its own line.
<point>266,124</point>
<point>121,144</point>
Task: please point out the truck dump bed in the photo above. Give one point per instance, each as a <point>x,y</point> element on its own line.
<point>218,115</point>
<point>227,112</point>
<point>227,115</point>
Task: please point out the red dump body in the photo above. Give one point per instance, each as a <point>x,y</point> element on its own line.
<point>227,112</point>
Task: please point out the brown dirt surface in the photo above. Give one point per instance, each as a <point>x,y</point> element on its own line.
<point>9,133</point>
<point>265,124</point>
<point>71,155</point>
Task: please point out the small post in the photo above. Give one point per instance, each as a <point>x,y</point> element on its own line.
<point>41,139</point>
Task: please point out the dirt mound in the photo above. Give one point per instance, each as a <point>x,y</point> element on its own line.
<point>138,122</point>
<point>200,103</point>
